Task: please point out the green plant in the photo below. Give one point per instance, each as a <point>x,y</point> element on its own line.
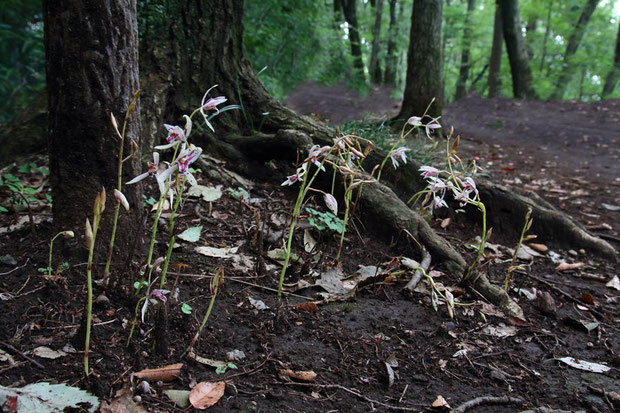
<point>527,224</point>
<point>186,308</point>
<point>216,283</point>
<point>62,267</point>
<point>323,221</point>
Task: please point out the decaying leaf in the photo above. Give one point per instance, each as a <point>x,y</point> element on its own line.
<point>301,375</point>
<point>258,304</point>
<point>309,241</point>
<point>584,365</point>
<point>217,252</point>
<point>122,402</point>
<point>179,397</point>
<point>166,373</point>
<point>614,283</point>
<point>440,402</point>
<point>500,330</point>
<point>4,356</point>
<point>208,194</point>
<point>565,266</point>
<point>206,394</point>
<point>390,374</point>
<point>191,234</point>
<point>309,307</point>
<point>48,353</point>
<point>44,397</point>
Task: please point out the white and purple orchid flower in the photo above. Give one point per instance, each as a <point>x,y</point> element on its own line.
<point>210,104</point>
<point>397,155</point>
<point>428,171</point>
<point>153,168</point>
<point>177,135</point>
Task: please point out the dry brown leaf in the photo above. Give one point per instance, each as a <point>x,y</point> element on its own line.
<point>166,373</point>
<point>122,402</point>
<point>307,375</point>
<point>444,223</point>
<point>309,307</point>
<point>206,394</point>
<point>538,247</point>
<point>587,298</point>
<point>565,266</point>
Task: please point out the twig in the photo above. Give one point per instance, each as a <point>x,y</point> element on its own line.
<point>254,370</point>
<point>269,289</point>
<point>417,276</point>
<point>10,347</point>
<point>488,400</point>
<point>355,393</point>
<point>565,294</point>
<point>611,396</point>
<point>16,268</point>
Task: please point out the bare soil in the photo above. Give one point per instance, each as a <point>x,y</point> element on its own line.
<point>566,151</point>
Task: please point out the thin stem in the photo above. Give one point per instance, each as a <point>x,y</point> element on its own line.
<point>483,240</point>
<point>49,265</point>
<point>172,236</point>
<point>89,284</point>
<point>217,281</point>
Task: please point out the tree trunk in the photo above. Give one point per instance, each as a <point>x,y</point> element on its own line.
<point>517,54</point>
<point>350,14</point>
<point>424,61</point>
<point>391,58</point>
<point>373,67</point>
<point>571,48</point>
<point>547,30</point>
<point>92,71</point>
<point>495,61</point>
<point>461,83</point>
<point>530,30</point>
<point>614,72</point>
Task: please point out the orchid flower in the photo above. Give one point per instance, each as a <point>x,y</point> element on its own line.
<point>469,185</point>
<point>428,171</point>
<point>432,125</point>
<point>176,135</point>
<point>314,153</point>
<point>438,202</point>
<point>160,295</point>
<point>415,121</point>
<point>210,104</point>
<point>187,157</point>
<point>399,154</point>
<point>153,167</point>
<point>290,180</point>
<point>436,184</point>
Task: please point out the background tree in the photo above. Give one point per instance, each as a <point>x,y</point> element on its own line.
<point>424,61</point>
<point>373,66</point>
<point>517,53</point>
<point>614,72</point>
<point>572,46</point>
<point>92,70</point>
<point>349,8</point>
<point>461,83</point>
<point>495,61</point>
<point>391,58</point>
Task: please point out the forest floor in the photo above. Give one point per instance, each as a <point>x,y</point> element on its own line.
<point>366,344</point>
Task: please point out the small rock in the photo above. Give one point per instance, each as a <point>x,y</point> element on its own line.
<point>8,260</point>
<point>545,302</point>
<point>102,300</point>
<point>143,387</point>
<point>235,355</point>
<point>137,399</point>
<point>573,253</point>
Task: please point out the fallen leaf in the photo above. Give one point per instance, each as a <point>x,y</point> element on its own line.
<point>565,266</point>
<point>614,283</point>
<point>44,397</point>
<point>166,373</point>
<point>501,330</point>
<point>217,252</point>
<point>208,194</point>
<point>206,394</point>
<point>179,397</point>
<point>587,298</point>
<point>48,353</point>
<point>258,304</point>
<point>301,375</point>
<point>444,223</point>
<point>309,307</point>
<point>610,207</point>
<point>538,247</point>
<point>191,234</point>
<point>309,241</point>
<point>584,365</point>
<point>390,374</point>
<point>440,402</point>
<point>4,356</point>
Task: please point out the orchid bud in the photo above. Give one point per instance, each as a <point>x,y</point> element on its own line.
<point>120,198</point>
<point>100,203</point>
<point>89,235</point>
<point>331,203</point>
<point>67,234</point>
<point>158,262</point>
<point>114,123</point>
<point>356,152</point>
<point>415,121</point>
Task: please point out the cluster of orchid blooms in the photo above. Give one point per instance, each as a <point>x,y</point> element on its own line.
<point>171,177</point>
<point>463,189</point>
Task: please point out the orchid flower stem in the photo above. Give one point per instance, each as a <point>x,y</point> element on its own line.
<point>303,190</point>
<point>483,240</point>
<point>119,186</point>
<point>348,194</point>
<point>172,237</point>
<point>49,265</point>
<point>219,278</point>
<point>526,226</point>
<point>89,286</point>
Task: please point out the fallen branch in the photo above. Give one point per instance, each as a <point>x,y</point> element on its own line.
<point>478,401</point>
<point>417,276</point>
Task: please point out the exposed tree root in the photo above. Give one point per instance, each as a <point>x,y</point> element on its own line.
<point>496,295</point>
<point>486,400</point>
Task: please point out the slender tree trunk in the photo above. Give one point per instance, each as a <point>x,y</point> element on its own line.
<point>350,14</point>
<point>530,30</point>
<point>461,83</point>
<point>92,70</point>
<point>614,72</point>
<point>517,54</point>
<point>374,68</point>
<point>546,38</point>
<point>424,61</point>
<point>391,58</point>
<point>495,61</point>
<point>571,48</point>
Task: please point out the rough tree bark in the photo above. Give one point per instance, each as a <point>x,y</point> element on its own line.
<point>424,61</point>
<point>571,48</point>
<point>390,60</point>
<point>349,7</point>
<point>543,55</point>
<point>92,71</point>
<point>461,83</point>
<point>614,72</point>
<point>495,61</point>
<point>373,66</point>
<point>517,54</point>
